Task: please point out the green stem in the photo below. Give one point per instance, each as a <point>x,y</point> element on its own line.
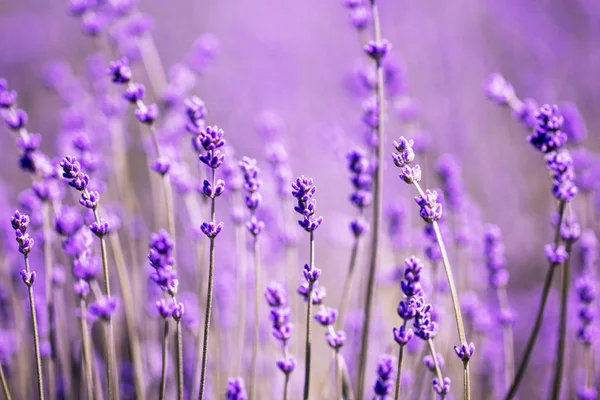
<point>507,333</point>
<point>48,267</point>
<point>36,336</point>
<point>163,370</point>
<point>209,295</point>
<point>377,205</point>
<point>512,392</point>
<point>438,370</point>
<point>179,345</point>
<point>399,369</point>
<point>5,385</point>
<point>307,351</point>
<point>253,383</point>
<point>562,326</point>
<point>87,349</point>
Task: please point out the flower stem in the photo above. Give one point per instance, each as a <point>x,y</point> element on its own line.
<point>348,282</point>
<point>307,350</point>
<point>240,240</point>
<point>399,369</point>
<point>438,370</point>
<point>507,332</point>
<point>36,336</point>
<point>5,385</point>
<point>562,326</point>
<point>51,361</point>
<point>163,370</point>
<point>87,350</point>
<point>285,386</point>
<point>179,346</point>
<point>209,294</point>
<point>540,314</point>
<point>377,205</point>
<point>255,250</point>
<point>110,361</point>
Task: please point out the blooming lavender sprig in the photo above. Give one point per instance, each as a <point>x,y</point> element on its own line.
<point>549,140</point>
<point>495,261</point>
<point>303,189</point>
<point>20,223</point>
<point>79,180</point>
<point>361,177</point>
<point>276,297</point>
<point>431,212</point>
<point>164,275</point>
<point>120,74</point>
<point>252,184</point>
<point>502,92</point>
<point>211,141</point>
<point>407,310</point>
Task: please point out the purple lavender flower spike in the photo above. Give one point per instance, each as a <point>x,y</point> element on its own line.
<point>327,316</point>
<point>402,335</point>
<point>119,71</point>
<point>548,136</point>
<point>236,389</point>
<point>161,165</point>
<point>556,255</point>
<point>465,351</point>
<point>100,228</point>
<point>384,383</point>
<point>276,295</point>
<point>336,340</point>
<point>377,51</point>
<point>147,114</point>
<point>499,89</point>
<point>431,209</point>
<point>303,191</point>
<point>442,388</point>
<point>104,307</point>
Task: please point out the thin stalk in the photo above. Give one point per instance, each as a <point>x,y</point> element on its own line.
<point>377,206</point>
<point>399,370</point>
<point>87,350</point>
<point>285,386</point>
<point>5,385</point>
<point>438,370</point>
<point>110,361</point>
<point>163,370</point>
<point>241,285</point>
<point>130,315</point>
<point>562,326</point>
<point>48,267</point>
<point>307,350</point>
<point>36,336</point>
<point>453,296</point>
<point>348,282</point>
<point>179,345</point>
<point>507,332</point>
<point>540,314</point>
<point>209,294</point>
<point>256,252</point>
<point>589,365</point>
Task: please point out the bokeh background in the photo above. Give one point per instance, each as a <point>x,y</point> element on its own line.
<point>297,59</point>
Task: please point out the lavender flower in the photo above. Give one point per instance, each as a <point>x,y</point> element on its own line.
<point>303,190</point>
<point>236,389</point>
<point>548,136</point>
<point>385,370</point>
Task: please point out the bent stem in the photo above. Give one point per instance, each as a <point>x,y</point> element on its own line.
<point>36,336</point>
<point>209,294</point>
<point>453,296</point>
<point>163,370</point>
<point>307,351</point>
<point>87,350</point>
<point>48,267</point>
<point>540,314</point>
<point>255,250</point>
<point>377,205</point>
<point>111,378</point>
<point>562,326</point>
<point>5,385</point>
<point>179,348</point>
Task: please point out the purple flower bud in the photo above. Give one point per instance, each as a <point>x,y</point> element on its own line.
<point>287,365</point>
<point>498,89</point>
<point>431,209</point>
<point>210,229</point>
<point>311,274</point>
<point>119,71</point>
<point>377,51</point>
<point>336,340</point>
<point>82,288</point>
<point>8,98</point>
<point>283,332</point>
<point>547,136</point>
<point>134,92</point>
<point>276,295</point>
<point>254,226</point>
<point>587,393</point>
<point>235,389</point>
<point>385,371</point>
<point>465,351</point>
<point>89,199</point>
<point>29,143</point>
<point>100,228</point>
<point>358,227</point>
<point>402,335</point>
<point>25,242</point>
<point>28,277</point>
<point>429,363</point>
<point>104,307</point>
<point>147,114</point>
<point>178,311</point>
<point>360,17</point>
<point>16,120</point>
<point>164,308</point>
<point>441,388</point>
<point>326,316</point>
<point>161,165</point>
<point>556,255</point>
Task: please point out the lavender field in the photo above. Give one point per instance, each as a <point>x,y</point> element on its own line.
<point>349,199</point>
